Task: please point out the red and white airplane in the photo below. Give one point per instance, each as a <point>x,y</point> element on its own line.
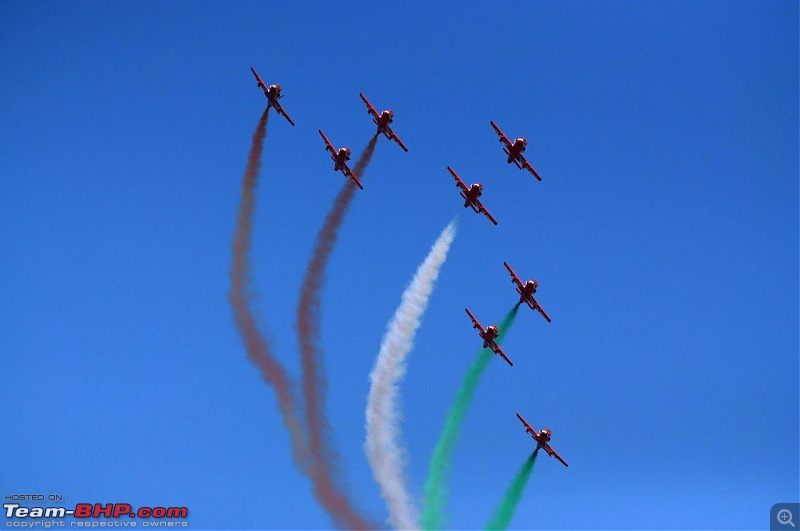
<point>471,196</point>
<point>489,335</point>
<point>383,120</point>
<point>526,292</point>
<point>273,94</point>
<point>542,439</point>
<point>340,158</point>
<point>514,151</point>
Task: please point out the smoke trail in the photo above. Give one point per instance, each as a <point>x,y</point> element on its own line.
<point>240,297</point>
<point>385,454</point>
<point>325,470</point>
<point>505,511</point>
<point>433,516</point>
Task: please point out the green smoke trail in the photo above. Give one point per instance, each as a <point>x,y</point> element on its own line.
<point>505,511</point>
<point>433,516</point>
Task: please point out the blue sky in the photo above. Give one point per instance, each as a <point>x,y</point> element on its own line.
<point>664,237</point>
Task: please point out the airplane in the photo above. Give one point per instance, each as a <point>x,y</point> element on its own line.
<point>340,159</point>
<point>383,120</point>
<point>526,292</point>
<point>542,438</point>
<point>514,151</point>
<point>489,335</point>
<point>273,94</point>
<point>471,196</point>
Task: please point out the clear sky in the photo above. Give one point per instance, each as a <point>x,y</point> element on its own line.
<point>664,237</point>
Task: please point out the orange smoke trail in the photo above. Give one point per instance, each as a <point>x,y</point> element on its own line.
<point>240,297</point>
<point>325,458</point>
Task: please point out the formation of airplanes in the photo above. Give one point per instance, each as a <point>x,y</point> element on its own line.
<point>490,336</point>
<point>470,194</point>
<point>383,120</point>
<point>525,292</point>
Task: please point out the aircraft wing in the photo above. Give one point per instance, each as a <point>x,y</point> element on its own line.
<point>328,144</point>
<point>475,323</point>
<point>514,278</point>
<point>370,109</point>
<point>538,308</point>
<point>503,138</point>
<point>497,350</point>
<point>348,172</point>
<point>482,210</point>
<point>397,139</point>
<point>258,78</point>
<point>553,453</point>
<point>279,110</point>
<point>527,165</point>
<point>459,182</point>
<point>528,427</point>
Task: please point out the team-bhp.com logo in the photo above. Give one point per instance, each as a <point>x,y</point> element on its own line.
<point>89,514</point>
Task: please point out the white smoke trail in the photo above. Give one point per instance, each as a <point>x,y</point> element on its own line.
<point>385,454</point>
